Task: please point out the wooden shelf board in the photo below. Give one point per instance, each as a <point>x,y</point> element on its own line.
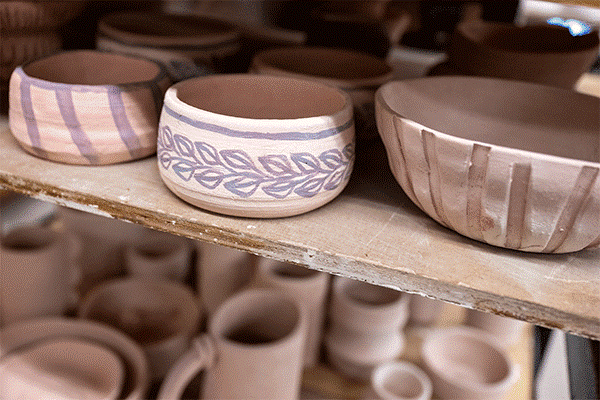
<point>370,232</point>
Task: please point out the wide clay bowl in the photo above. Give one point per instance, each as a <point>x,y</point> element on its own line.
<point>202,39</point>
<point>466,363</point>
<point>256,145</point>
<point>544,54</point>
<point>360,74</point>
<point>87,107</point>
<point>509,163</point>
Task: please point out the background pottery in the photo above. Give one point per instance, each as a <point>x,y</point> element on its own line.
<point>103,109</point>
<point>423,310</point>
<point>255,146</point>
<point>506,330</point>
<point>399,380</point>
<point>517,169</point>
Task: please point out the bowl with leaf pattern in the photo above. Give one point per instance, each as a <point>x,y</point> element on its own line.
<point>255,145</point>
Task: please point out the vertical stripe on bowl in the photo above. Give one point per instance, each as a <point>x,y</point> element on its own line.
<point>29,116</point>
<point>126,132</point>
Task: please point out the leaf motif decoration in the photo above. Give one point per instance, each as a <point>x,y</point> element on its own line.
<point>306,163</point>
<point>166,137</point>
<point>277,165</point>
<point>184,169</point>
<point>237,159</point>
<point>208,154</point>
<point>184,146</point>
<point>209,178</point>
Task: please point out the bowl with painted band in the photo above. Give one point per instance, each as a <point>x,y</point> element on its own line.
<point>509,163</point>
<point>359,74</point>
<point>87,107</point>
<point>256,145</point>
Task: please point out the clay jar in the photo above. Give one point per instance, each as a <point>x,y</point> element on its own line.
<point>255,146</point>
<point>365,326</point>
<point>358,73</point>
<point>87,107</point>
<point>545,54</point>
<point>309,287</point>
<point>466,363</point>
<point>205,41</point>
<point>162,316</point>
<point>48,339</point>
<point>509,163</point>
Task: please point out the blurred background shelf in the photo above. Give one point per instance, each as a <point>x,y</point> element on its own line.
<point>386,240</point>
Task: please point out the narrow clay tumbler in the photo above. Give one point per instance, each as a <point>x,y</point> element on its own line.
<point>87,107</point>
<point>399,380</point>
<point>255,145</point>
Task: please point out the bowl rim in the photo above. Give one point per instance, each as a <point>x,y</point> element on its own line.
<point>53,85</point>
<point>380,99</point>
<point>338,122</point>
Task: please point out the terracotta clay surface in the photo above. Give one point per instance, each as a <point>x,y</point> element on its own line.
<point>516,169</point>
<point>87,107</point>
<point>545,54</point>
<point>256,146</point>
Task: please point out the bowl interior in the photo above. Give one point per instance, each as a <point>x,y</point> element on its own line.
<point>511,114</point>
<point>92,68</point>
<point>261,97</point>
<point>325,62</point>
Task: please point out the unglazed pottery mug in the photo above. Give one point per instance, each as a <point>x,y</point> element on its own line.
<point>365,326</point>
<point>399,380</point>
<point>54,336</point>
<point>309,287</point>
<point>253,350</point>
<point>61,369</point>
<point>221,271</point>
<point>508,331</point>
<point>159,255</point>
<point>162,316</point>
<point>467,363</point>
<point>39,273</point>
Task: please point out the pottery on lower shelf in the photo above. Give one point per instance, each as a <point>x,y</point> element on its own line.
<point>545,54</point>
<point>162,316</point>
<point>87,107</point>
<point>365,326</point>
<point>105,341</point>
<point>506,330</point>
<point>467,363</point>
<point>206,41</point>
<point>399,380</point>
<point>255,145</point>
<point>424,311</point>
<point>360,74</point>
<point>509,163</point>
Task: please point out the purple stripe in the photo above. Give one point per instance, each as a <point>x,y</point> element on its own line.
<point>117,109</point>
<point>258,135</point>
<point>29,116</point>
<point>67,111</point>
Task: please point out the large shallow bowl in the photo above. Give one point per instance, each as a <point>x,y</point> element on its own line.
<point>87,107</point>
<point>509,163</point>
<point>254,145</point>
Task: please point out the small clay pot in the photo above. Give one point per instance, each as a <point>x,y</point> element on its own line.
<point>467,363</point>
<point>204,40</point>
<point>481,156</point>
<point>87,107</point>
<point>359,74</point>
<point>256,145</point>
<point>399,380</point>
<point>546,54</point>
<point>508,331</point>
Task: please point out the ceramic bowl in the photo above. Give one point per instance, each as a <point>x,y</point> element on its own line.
<point>20,335</point>
<point>400,380</point>
<point>545,54</point>
<point>466,363</point>
<point>517,169</point>
<point>205,40</point>
<point>87,107</point>
<point>256,146</point>
<point>359,74</point>
<point>37,15</point>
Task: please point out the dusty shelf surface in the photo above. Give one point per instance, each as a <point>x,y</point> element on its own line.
<point>370,232</point>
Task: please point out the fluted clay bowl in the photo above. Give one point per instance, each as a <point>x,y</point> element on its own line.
<point>87,107</point>
<point>202,39</point>
<point>546,54</point>
<point>360,74</point>
<point>466,363</point>
<point>255,145</point>
<point>509,163</point>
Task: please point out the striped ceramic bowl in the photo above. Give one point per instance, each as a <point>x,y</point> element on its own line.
<point>256,145</point>
<point>87,107</point>
<point>508,163</point>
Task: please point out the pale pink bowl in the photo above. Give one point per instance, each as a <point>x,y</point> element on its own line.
<point>87,107</point>
<point>508,163</point>
<point>256,145</point>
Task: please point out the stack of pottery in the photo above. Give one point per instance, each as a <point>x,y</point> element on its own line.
<point>30,29</point>
<point>366,327</point>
